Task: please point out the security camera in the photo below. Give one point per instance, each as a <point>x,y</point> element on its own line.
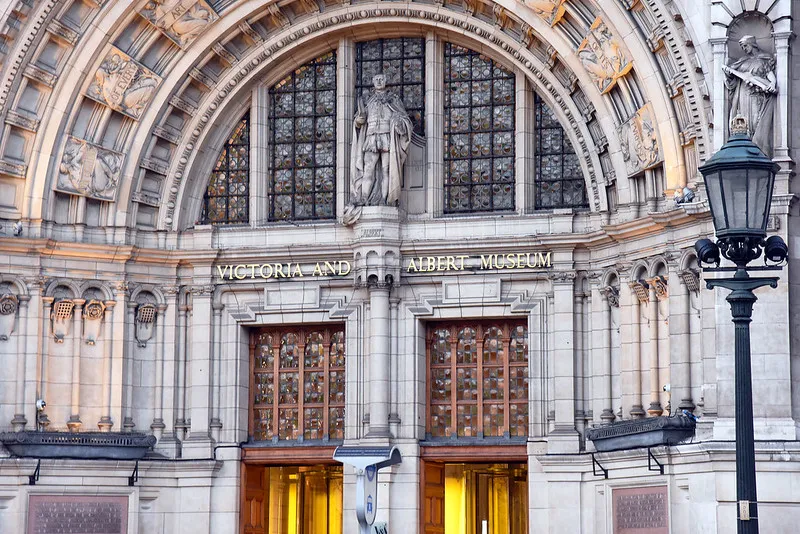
<point>40,405</point>
<point>666,387</point>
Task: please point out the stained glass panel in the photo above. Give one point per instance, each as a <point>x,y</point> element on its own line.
<point>226,199</point>
<point>486,385</point>
<point>559,179</point>
<point>478,129</point>
<point>402,61</point>
<point>302,154</point>
<point>304,386</point>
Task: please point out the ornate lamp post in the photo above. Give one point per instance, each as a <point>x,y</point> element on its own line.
<point>739,180</point>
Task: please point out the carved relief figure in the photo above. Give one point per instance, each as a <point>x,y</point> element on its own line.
<point>381,136</point>
<point>639,141</point>
<point>180,20</point>
<point>123,85</point>
<point>89,170</point>
<point>602,57</point>
<point>753,88</point>
<point>551,11</point>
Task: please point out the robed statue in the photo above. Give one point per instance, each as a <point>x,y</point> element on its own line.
<point>381,136</point>
<point>753,88</point>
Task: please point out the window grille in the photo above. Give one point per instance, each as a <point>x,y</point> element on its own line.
<point>226,199</point>
<point>302,121</point>
<point>402,61</point>
<point>299,384</point>
<point>478,132</point>
<point>146,314</point>
<point>478,380</point>
<point>559,178</point>
<point>63,309</point>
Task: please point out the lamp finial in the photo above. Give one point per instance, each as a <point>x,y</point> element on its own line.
<point>739,125</point>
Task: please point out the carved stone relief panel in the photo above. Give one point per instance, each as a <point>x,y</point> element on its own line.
<point>180,20</point>
<point>603,57</point>
<point>550,11</point>
<point>639,141</point>
<point>93,314</point>
<point>89,170</point>
<point>8,315</point>
<point>123,84</point>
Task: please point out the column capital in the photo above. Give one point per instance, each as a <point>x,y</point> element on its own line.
<point>562,277</point>
<point>611,295</point>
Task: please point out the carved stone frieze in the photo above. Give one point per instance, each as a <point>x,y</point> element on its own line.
<point>602,57</point>
<point>180,20</point>
<point>89,170</point>
<point>550,11</point>
<point>562,277</point>
<point>639,141</point>
<point>123,84</point>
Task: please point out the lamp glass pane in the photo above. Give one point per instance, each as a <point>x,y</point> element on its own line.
<point>758,210</point>
<point>715,200</point>
<point>734,191</point>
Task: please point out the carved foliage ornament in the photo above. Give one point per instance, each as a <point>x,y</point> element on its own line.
<point>639,140</point>
<point>180,20</point>
<point>611,293</point>
<point>603,57</point>
<point>89,170</point>
<point>145,323</point>
<point>93,314</point>
<point>659,283</point>
<point>123,84</point>
<point>550,11</point>
<point>8,314</point>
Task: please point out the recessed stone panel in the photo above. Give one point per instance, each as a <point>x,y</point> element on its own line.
<point>87,514</point>
<point>642,510</point>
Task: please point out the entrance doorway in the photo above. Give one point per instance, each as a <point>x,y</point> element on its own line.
<point>466,498</point>
<point>292,500</point>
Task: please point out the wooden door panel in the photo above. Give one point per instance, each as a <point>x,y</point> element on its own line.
<point>433,504</point>
<point>254,507</point>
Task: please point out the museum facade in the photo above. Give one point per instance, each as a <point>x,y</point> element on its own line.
<point>237,236</point>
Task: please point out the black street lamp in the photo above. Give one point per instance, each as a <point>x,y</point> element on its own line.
<point>739,180</point>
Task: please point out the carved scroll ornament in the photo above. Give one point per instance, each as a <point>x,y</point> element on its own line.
<point>123,84</point>
<point>180,20</point>
<point>89,170</point>
<point>603,57</point>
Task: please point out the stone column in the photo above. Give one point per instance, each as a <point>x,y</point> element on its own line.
<point>18,422</point>
<point>380,358</point>
<point>157,426</point>
<point>578,357</point>
<point>782,38</point>
<point>74,423</point>
<point>180,404</point>
<point>601,350</point>
<point>652,317</point>
<point>345,82</point>
<point>216,422</point>
<point>198,444</point>
<point>631,364</point>
<point>719,48</point>
<point>563,438</point>
<point>36,340</point>
<point>42,420</point>
<point>524,139</point>
<point>106,420</point>
<point>434,123</point>
<point>681,338</point>
<point>394,417</point>
<point>130,342</point>
<point>259,155</point>
<point>168,443</point>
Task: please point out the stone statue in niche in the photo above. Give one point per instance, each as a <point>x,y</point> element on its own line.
<point>123,85</point>
<point>381,136</point>
<point>602,57</point>
<point>180,20</point>
<point>639,141</point>
<point>89,170</point>
<point>752,86</point>
<point>550,11</point>
<point>8,315</point>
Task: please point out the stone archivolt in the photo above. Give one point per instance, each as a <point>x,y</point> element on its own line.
<point>129,88</point>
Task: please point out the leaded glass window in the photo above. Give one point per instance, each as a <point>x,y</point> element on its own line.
<point>226,199</point>
<point>478,132</point>
<point>302,121</point>
<point>402,61</point>
<point>478,380</point>
<point>298,384</point>
<point>559,179</point>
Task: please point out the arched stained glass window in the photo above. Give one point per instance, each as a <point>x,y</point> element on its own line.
<point>298,384</point>
<point>402,61</point>
<point>478,380</point>
<point>226,198</point>
<point>302,121</point>
<point>559,179</point>
<point>478,132</point>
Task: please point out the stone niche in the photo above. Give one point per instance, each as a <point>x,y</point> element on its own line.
<point>50,514</point>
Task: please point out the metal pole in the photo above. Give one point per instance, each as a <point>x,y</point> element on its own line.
<point>741,301</point>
